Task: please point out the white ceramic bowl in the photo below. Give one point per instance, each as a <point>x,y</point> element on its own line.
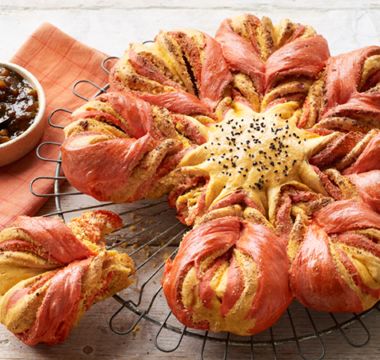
<point>16,148</point>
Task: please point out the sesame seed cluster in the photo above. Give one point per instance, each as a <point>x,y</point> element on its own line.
<point>252,151</point>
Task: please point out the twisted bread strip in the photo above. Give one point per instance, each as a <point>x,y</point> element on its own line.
<point>271,64</point>
<point>32,246</point>
<point>225,275</point>
<point>119,147</point>
<point>335,264</point>
<point>347,97</point>
<point>50,275</point>
<point>368,185</point>
<point>183,71</point>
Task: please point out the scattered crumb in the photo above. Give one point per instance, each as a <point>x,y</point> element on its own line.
<point>132,228</point>
<point>166,255</point>
<point>87,349</point>
<point>135,330</point>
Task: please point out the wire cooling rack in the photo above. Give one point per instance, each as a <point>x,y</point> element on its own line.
<point>150,235</point>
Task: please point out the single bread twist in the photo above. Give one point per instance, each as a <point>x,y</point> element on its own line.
<point>51,273</point>
<point>225,275</point>
<point>335,265</point>
<point>271,64</point>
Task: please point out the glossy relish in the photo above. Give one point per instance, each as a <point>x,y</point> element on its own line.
<point>18,104</point>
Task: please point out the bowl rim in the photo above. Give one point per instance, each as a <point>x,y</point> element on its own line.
<point>41,100</point>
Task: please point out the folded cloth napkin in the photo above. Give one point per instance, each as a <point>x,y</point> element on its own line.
<point>57,60</point>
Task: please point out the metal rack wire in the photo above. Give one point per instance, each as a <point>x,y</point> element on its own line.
<point>150,242</point>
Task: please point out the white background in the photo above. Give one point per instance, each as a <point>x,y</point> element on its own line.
<point>110,25</point>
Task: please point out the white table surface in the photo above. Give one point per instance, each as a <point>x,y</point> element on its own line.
<point>110,26</point>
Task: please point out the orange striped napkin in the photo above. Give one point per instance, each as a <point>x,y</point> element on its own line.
<point>57,60</point>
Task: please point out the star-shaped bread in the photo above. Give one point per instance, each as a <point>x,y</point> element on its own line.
<point>255,153</point>
<point>267,146</point>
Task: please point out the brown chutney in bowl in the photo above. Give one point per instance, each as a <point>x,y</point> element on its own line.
<point>18,104</point>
